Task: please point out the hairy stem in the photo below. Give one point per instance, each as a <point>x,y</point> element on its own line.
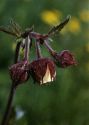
<point>9,106</point>
<point>17,52</point>
<point>27,44</point>
<point>38,51</point>
<point>49,47</point>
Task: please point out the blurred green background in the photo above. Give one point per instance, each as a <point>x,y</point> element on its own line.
<point>66,100</point>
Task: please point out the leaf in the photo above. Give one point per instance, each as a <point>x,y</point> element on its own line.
<point>6,30</point>
<point>15,27</point>
<point>12,29</point>
<point>59,27</point>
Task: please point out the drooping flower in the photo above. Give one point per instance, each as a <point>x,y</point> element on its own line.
<point>64,59</point>
<point>43,70</point>
<point>19,72</point>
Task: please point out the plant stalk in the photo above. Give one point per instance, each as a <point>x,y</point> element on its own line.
<point>49,47</point>
<point>27,44</point>
<point>17,52</point>
<point>38,50</point>
<point>6,116</point>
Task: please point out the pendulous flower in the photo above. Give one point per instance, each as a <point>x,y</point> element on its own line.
<point>64,59</point>
<point>19,72</point>
<point>43,70</point>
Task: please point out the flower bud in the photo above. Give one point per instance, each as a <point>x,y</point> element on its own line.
<point>43,70</point>
<point>64,59</point>
<point>19,72</point>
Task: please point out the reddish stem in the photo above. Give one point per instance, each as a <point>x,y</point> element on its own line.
<point>27,43</point>
<point>49,47</point>
<point>17,52</point>
<point>6,116</point>
<point>38,51</point>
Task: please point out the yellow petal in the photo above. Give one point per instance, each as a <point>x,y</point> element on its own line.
<point>84,15</point>
<point>51,17</point>
<point>74,25</point>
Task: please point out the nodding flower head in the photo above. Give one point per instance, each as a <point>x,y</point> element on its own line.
<point>19,72</point>
<point>43,70</point>
<point>64,59</point>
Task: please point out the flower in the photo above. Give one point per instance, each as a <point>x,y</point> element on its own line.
<point>43,70</point>
<point>64,59</point>
<point>74,25</point>
<point>51,17</point>
<point>19,72</point>
<point>84,15</point>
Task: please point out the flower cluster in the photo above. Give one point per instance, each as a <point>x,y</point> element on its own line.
<point>41,69</point>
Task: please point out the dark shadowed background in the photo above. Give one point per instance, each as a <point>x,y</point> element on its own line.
<point>66,100</point>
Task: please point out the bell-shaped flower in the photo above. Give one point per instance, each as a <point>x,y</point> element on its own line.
<point>43,70</point>
<point>64,59</point>
<point>19,72</point>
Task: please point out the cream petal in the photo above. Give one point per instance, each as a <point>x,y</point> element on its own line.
<point>47,77</point>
